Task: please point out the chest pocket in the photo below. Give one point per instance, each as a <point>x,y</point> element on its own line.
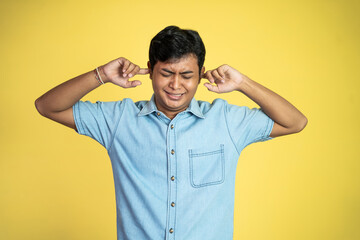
<point>207,168</point>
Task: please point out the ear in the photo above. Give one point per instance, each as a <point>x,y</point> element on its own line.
<point>149,67</point>
<point>201,73</point>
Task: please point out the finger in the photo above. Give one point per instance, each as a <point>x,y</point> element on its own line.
<point>217,76</point>
<point>212,88</point>
<point>209,77</point>
<point>144,71</point>
<point>131,84</point>
<point>134,71</point>
<point>130,69</point>
<point>221,71</point>
<point>125,66</point>
<point>135,83</point>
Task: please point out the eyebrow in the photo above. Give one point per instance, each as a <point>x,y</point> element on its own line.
<point>168,71</point>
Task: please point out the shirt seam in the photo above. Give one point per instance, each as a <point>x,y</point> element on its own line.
<point>227,126</point>
<point>114,130</point>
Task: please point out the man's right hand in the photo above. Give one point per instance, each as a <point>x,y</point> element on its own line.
<point>120,70</point>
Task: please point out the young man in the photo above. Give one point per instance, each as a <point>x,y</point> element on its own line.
<point>174,158</point>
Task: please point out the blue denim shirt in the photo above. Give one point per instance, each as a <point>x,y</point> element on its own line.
<point>174,179</point>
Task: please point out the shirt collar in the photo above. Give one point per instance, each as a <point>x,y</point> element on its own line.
<point>150,107</point>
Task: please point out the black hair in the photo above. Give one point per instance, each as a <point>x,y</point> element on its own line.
<point>174,43</point>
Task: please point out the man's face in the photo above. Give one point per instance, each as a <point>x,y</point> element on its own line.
<point>175,83</point>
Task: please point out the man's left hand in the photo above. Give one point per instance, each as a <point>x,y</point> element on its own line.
<point>224,79</point>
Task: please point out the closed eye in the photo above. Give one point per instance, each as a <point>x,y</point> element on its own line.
<point>165,75</point>
<point>187,77</point>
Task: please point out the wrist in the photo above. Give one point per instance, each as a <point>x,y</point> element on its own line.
<point>102,74</point>
<point>244,84</point>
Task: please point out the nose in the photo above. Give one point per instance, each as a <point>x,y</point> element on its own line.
<point>175,82</point>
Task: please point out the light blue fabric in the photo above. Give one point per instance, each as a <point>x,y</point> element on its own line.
<point>199,148</point>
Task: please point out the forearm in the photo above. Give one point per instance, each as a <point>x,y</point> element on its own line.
<point>65,95</point>
<point>57,103</point>
<point>276,107</point>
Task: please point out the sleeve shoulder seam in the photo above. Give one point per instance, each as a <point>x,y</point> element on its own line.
<point>227,126</point>
<point>114,130</point>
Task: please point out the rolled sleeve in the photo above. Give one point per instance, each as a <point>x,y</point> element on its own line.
<point>247,126</point>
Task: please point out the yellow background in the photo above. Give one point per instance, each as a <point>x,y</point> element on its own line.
<point>55,184</point>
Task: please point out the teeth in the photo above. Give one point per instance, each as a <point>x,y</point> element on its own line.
<point>177,95</point>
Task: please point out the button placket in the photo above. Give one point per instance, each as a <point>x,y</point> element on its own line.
<point>172,183</point>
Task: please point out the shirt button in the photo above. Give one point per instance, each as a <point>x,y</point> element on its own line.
<point>172,126</point>
<point>171,230</point>
<point>172,151</point>
<point>172,178</point>
<point>173,204</point>
<point>158,113</point>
